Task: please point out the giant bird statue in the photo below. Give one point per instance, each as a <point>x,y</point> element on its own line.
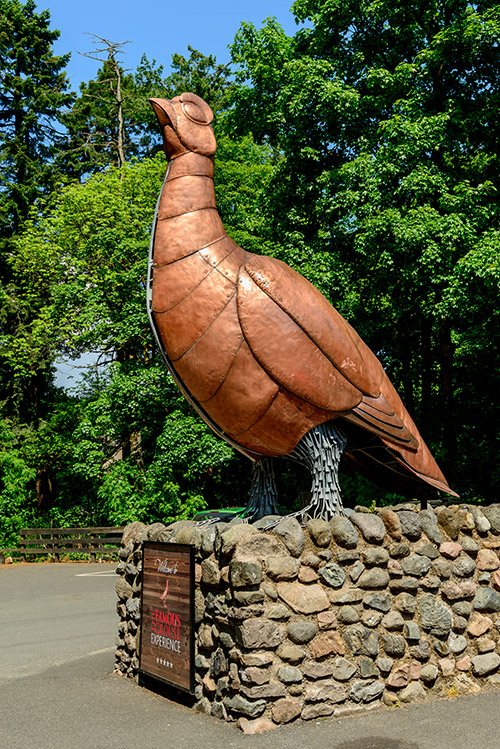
<point>258,351</point>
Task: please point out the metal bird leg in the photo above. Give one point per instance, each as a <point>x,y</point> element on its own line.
<point>320,451</point>
<point>263,496</point>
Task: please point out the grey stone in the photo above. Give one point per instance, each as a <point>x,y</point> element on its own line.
<point>462,608</point>
<point>343,669</point>
<point>123,589</point>
<point>208,540</point>
<point>320,531</point>
<point>414,692</point>
<point>371,618</point>
<point>348,615</point>
<point>464,567</point>
<point>429,673</point>
<point>378,601</point>
<point>318,670</point>
<point>398,551</point>
<point>133,608</point>
<point>416,565</point>
<point>384,664</point>
<point>255,633</point>
<point>347,556</point>
<point>371,526</point>
<point>428,521</point>
<point>264,523</point>
<point>430,583</point>
<point>377,557</point>
<point>324,691</point>
<point>367,669</point>
<point>485,664</point>
<point>410,524</point>
<point>257,547</point>
<point>289,674</point>
<point>231,536</point>
<point>457,643</point>
<point>332,575</point>
<point>202,706</point>
<point>361,641</point>
<point>459,623</point>
<point>291,653</point>
<point>344,532</point>
<point>244,574</point>
<point>279,612</point>
<point>351,595</point>
<point>374,578</point>
<point>450,520</point>
<point>393,620</point>
<point>239,704</point>
<point>428,550</point>
<point>492,513</point>
<point>483,525</point>
<point>486,599</point>
<point>248,597</point>
<point>421,651</point>
<point>325,554</point>
<point>290,531</point>
<point>411,632</point>
<point>484,578</point>
<point>356,570</point>
<point>441,648</point>
<point>404,584</point>
<point>435,618</point>
<point>469,545</point>
<point>282,568</point>
<point>210,573</point>
<point>301,632</point>
<point>362,691</point>
<point>394,645</point>
<point>272,691</point>
<point>316,710</point>
<point>442,568</point>
<point>270,592</point>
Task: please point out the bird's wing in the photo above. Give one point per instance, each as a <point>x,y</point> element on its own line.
<point>308,348</point>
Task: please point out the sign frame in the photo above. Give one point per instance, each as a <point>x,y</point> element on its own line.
<point>187,552</point>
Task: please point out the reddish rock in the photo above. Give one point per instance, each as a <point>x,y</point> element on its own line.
<point>464,663</point>
<point>327,620</point>
<point>479,624</point>
<point>447,666</point>
<point>303,599</point>
<point>317,710</point>
<point>255,726</point>
<point>197,573</point>
<point>209,683</point>
<point>325,644</point>
<point>285,710</point>
<point>450,549</point>
<point>399,677</point>
<point>307,575</point>
<point>391,522</point>
<point>415,670</point>
<point>487,559</point>
<point>495,579</point>
<point>394,568</point>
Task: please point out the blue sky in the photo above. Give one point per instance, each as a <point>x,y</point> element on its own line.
<point>157,29</point>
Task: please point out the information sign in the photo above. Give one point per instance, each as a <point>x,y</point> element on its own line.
<point>167,636</point>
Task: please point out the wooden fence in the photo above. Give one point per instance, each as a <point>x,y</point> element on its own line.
<point>56,541</point>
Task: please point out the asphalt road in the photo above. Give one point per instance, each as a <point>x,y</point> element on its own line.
<point>57,691</point>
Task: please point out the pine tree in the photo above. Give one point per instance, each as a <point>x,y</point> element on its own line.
<point>33,93</point>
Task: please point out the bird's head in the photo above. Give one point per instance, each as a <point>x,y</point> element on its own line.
<point>185,125</point>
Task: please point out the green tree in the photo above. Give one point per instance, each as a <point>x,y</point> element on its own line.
<point>33,93</point>
<point>386,193</point>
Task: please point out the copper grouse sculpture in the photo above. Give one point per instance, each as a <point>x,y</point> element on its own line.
<point>260,353</point>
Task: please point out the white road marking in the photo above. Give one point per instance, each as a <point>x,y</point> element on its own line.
<point>106,573</point>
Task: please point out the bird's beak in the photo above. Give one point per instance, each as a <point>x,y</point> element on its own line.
<point>164,112</point>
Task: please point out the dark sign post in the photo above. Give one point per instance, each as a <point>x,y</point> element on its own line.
<point>167,635</point>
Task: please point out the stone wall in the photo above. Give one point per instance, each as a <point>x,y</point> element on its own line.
<point>389,607</point>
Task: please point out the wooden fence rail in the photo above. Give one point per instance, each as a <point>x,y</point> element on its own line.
<point>56,541</point>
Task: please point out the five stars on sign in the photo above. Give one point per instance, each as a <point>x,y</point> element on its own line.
<point>163,662</point>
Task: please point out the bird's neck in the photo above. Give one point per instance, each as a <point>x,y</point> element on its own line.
<point>187,216</point>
